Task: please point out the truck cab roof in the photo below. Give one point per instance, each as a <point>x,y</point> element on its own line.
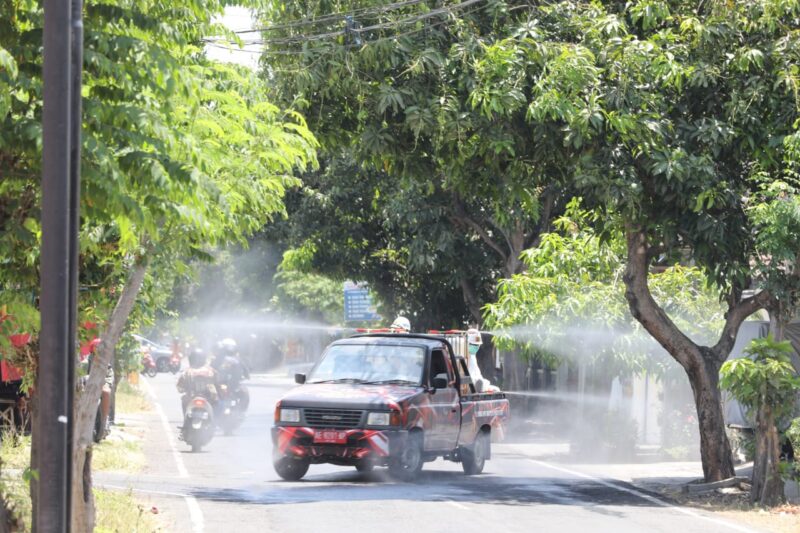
<point>396,339</point>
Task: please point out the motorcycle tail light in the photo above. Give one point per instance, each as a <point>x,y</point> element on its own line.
<point>199,403</point>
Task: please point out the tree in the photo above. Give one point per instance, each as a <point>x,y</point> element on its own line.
<point>400,89</point>
<point>764,382</point>
<point>351,223</point>
<point>677,107</point>
<point>179,154</point>
<point>569,304</point>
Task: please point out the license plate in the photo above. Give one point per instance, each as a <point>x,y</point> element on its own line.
<point>327,436</point>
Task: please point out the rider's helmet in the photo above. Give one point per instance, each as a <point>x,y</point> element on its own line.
<point>197,358</point>
<point>401,324</point>
<point>226,347</point>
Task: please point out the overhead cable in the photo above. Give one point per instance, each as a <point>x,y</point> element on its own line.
<point>386,25</point>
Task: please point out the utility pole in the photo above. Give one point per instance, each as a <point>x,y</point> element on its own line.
<point>57,304</point>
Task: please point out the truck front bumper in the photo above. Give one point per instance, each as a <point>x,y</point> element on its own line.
<point>361,445</point>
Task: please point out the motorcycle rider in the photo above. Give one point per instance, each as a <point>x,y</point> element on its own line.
<point>231,371</point>
<point>198,380</point>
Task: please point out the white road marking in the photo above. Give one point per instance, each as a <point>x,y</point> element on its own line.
<point>195,513</point>
<point>642,495</point>
<point>460,506</point>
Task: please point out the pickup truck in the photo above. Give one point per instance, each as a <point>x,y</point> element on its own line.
<point>396,400</point>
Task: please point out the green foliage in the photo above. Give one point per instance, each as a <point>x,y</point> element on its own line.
<point>765,377</point>
<point>775,215</point>
<point>308,295</point>
<point>352,223</point>
<point>570,301</point>
<point>179,153</point>
<point>470,182</point>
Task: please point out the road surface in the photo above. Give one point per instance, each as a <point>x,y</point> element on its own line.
<point>231,486</point>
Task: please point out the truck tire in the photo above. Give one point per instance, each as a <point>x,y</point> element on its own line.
<point>365,466</point>
<point>290,469</point>
<point>473,458</point>
<point>408,465</point>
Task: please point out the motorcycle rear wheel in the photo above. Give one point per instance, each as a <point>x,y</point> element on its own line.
<point>151,371</point>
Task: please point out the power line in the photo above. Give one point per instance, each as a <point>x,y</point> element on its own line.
<point>385,25</point>
<point>363,12</point>
<point>372,42</point>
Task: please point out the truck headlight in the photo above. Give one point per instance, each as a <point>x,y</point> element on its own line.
<point>378,419</point>
<point>290,415</point>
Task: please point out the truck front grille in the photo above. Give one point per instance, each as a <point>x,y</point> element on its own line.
<point>332,418</point>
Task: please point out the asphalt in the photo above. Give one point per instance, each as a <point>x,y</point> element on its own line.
<point>231,486</point>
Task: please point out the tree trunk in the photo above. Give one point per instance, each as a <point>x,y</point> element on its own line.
<point>701,363</point>
<point>471,299</point>
<point>83,512</point>
<point>715,449</point>
<point>767,488</point>
<point>33,406</point>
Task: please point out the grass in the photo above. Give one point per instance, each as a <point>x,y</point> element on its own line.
<point>118,455</point>
<point>130,399</point>
<point>120,512</point>
<point>113,455</point>
<point>15,451</point>
<point>116,511</point>
<point>17,494</point>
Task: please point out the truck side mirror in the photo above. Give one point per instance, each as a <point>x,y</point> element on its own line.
<point>300,378</point>
<point>440,381</point>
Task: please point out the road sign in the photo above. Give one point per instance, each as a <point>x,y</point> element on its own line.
<point>358,306</point>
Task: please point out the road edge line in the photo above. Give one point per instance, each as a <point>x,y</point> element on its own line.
<point>644,496</point>
<point>195,513</point>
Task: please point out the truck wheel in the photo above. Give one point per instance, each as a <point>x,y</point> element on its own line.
<point>365,466</point>
<point>409,464</point>
<point>473,459</point>
<point>290,469</point>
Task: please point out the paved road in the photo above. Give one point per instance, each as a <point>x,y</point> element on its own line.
<point>231,486</point>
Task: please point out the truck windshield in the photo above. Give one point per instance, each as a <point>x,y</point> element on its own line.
<point>370,363</point>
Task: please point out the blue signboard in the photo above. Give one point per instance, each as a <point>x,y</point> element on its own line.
<point>358,305</point>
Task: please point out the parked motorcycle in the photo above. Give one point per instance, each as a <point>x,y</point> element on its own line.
<point>230,410</point>
<point>149,365</point>
<point>175,363</point>
<point>198,423</point>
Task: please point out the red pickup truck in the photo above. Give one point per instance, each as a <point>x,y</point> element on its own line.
<point>396,400</point>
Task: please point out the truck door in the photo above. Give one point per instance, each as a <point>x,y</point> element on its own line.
<point>444,404</point>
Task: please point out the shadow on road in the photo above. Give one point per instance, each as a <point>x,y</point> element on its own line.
<point>432,486</point>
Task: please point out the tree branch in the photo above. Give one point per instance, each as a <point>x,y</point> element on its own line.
<point>549,201</point>
<point>645,309</point>
<point>736,314</point>
<point>460,214</point>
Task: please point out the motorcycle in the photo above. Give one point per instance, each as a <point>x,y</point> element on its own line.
<point>149,365</point>
<point>175,363</point>
<point>230,410</point>
<point>198,423</point>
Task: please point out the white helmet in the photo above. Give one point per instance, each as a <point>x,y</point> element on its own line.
<point>474,337</point>
<point>401,323</point>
